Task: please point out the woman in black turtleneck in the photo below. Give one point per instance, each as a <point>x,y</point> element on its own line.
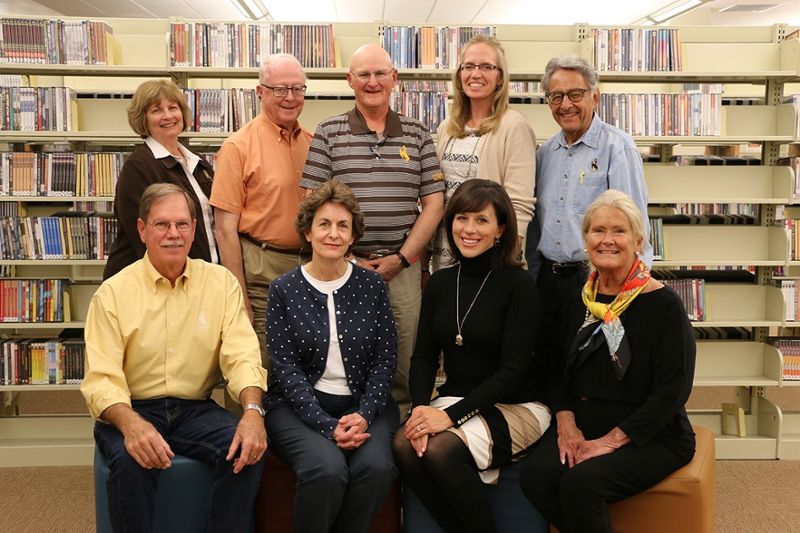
<point>482,315</point>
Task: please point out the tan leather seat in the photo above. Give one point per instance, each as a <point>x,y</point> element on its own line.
<point>683,501</point>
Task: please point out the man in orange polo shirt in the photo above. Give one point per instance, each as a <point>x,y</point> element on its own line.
<point>257,190</point>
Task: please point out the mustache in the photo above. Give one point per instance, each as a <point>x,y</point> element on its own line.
<point>173,242</point>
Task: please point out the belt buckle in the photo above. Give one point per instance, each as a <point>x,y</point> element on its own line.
<point>377,254</point>
<point>556,267</point>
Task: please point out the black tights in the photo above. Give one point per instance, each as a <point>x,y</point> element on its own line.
<point>446,481</point>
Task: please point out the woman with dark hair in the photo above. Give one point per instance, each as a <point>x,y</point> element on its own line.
<point>484,138</point>
<point>159,114</point>
<point>479,315</point>
<point>333,345</point>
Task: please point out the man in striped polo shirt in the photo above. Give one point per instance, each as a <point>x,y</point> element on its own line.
<point>390,163</point>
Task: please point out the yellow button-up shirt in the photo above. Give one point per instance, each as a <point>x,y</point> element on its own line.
<point>146,339</point>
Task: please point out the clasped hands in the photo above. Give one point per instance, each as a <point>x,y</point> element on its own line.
<point>425,421</point>
<point>350,431</point>
<point>573,448</point>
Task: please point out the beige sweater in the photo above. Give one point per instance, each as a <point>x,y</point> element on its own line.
<point>508,157</point>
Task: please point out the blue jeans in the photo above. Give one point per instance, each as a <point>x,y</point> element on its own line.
<point>337,490</point>
<point>199,429</point>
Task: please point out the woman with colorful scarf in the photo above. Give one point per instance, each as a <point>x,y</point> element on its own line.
<point>619,384</point>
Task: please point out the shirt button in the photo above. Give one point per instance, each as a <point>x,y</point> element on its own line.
<point>561,199</point>
<point>345,359</point>
<point>172,323</point>
<point>558,221</point>
<point>565,176</point>
<point>171,350</point>
<point>558,243</point>
<point>570,154</point>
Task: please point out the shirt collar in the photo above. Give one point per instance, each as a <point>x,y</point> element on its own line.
<point>276,130</point>
<point>159,152</point>
<point>589,138</point>
<point>358,125</point>
<point>154,276</point>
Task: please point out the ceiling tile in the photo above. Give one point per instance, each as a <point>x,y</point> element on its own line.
<point>358,10</point>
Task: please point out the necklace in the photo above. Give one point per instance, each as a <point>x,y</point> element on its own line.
<point>451,144</point>
<point>459,338</point>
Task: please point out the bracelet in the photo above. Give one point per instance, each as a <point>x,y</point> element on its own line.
<point>425,271</point>
<point>403,259</point>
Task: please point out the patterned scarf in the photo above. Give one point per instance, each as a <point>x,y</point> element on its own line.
<point>609,314</point>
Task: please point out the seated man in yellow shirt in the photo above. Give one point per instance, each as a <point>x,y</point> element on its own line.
<point>159,336</point>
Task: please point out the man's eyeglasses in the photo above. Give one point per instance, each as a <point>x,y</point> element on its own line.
<point>280,92</point>
<point>380,75</point>
<point>162,226</point>
<point>574,95</point>
<point>485,67</point>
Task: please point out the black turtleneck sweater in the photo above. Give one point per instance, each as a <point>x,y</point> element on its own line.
<point>496,363</point>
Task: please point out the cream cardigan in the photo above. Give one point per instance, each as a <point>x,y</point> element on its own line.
<point>508,157</point>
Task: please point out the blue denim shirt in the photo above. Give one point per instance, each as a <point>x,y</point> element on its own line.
<point>298,335</point>
<point>569,178</point>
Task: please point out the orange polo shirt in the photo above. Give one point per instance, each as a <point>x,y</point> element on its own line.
<point>258,178</point>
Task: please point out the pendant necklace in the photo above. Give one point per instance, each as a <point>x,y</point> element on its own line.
<point>459,338</point>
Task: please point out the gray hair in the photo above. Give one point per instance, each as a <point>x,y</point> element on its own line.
<point>571,62</point>
<point>161,191</point>
<point>617,200</point>
<point>272,58</point>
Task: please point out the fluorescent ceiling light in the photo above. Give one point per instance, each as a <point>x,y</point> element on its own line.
<point>252,9</point>
<point>671,11</point>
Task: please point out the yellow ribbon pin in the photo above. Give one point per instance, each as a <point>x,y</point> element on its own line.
<point>404,154</point>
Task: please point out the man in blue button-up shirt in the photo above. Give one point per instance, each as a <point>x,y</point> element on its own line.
<point>573,168</point>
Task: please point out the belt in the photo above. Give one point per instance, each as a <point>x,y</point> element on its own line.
<point>271,247</point>
<point>565,268</point>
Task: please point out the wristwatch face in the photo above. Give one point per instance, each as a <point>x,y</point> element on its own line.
<point>257,408</point>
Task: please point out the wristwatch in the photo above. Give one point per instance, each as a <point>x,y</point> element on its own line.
<point>257,408</point>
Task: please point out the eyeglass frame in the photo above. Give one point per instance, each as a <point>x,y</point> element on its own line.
<point>469,67</point>
<point>190,225</point>
<point>583,92</point>
<point>294,90</point>
<point>360,75</point>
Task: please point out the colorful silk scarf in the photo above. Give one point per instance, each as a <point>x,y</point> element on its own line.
<point>609,314</point>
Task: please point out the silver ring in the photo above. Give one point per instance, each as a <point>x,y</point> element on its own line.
<point>418,429</point>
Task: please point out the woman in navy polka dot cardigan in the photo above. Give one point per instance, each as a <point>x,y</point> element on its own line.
<point>333,345</point>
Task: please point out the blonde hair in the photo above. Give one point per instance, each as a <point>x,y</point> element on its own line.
<point>461,105</point>
<point>623,202</point>
<point>151,93</point>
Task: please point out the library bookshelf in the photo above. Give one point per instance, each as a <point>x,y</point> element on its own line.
<point>756,60</point>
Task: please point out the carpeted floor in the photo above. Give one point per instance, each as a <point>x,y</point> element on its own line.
<point>751,496</point>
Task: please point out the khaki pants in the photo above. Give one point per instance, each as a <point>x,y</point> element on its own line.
<point>405,295</point>
<point>260,268</point>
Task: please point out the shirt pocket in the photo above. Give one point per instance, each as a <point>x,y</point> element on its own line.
<point>592,186</point>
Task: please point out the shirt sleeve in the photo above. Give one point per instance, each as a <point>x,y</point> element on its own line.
<point>288,374</point>
<point>431,177</point>
<point>104,382</point>
<point>673,372</point>
<point>240,355</point>
<point>626,174</point>
<point>519,168</point>
<point>228,191</point>
<point>318,167</point>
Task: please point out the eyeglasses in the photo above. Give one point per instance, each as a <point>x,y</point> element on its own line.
<point>485,67</point>
<point>162,226</point>
<point>380,75</point>
<point>574,95</point>
<point>280,92</point>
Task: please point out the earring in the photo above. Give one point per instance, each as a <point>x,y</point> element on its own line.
<point>497,243</point>
<point>585,251</point>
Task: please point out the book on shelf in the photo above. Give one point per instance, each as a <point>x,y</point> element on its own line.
<point>221,110</point>
<point>637,50</point>
<point>789,289</point>
<point>426,101</point>
<point>233,44</point>
<point>664,114</point>
<point>32,300</point>
<point>790,349</point>
<point>14,80</point>
<point>38,109</point>
<point>724,333</point>
<point>692,293</point>
<point>716,160</point>
<point>53,361</point>
<point>428,47</point>
<point>60,174</point>
<point>57,42</point>
<point>65,235</point>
